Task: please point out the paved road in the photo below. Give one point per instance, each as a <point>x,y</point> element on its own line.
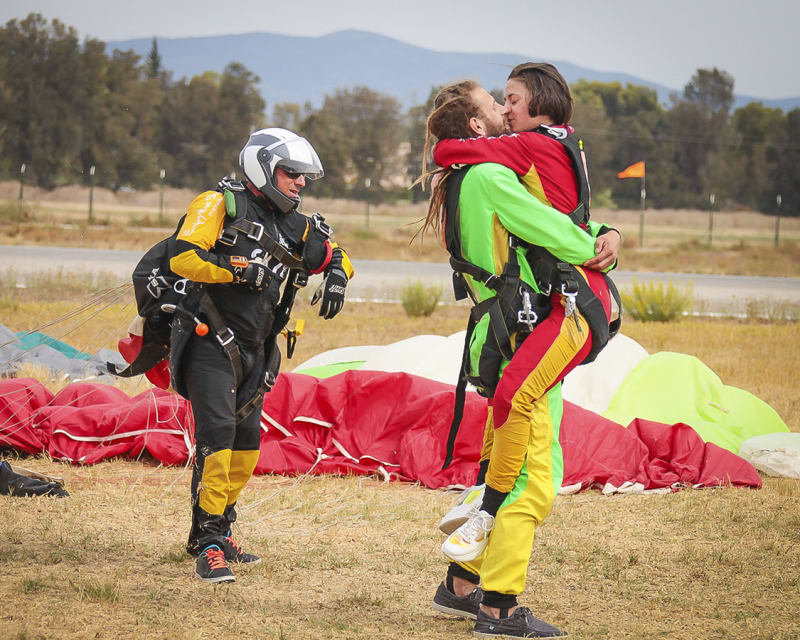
<point>383,279</point>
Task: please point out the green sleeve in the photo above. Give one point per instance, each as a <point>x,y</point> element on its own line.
<point>596,228</point>
<point>525,216</point>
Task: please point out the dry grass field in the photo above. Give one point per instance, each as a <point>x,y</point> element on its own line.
<point>358,559</point>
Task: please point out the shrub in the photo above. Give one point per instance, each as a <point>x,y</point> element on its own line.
<point>602,200</point>
<point>653,302</point>
<point>419,299</point>
<point>772,311</point>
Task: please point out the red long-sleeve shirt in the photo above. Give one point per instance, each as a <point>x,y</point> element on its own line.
<point>539,160</point>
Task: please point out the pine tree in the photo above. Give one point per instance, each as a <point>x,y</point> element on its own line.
<point>154,66</point>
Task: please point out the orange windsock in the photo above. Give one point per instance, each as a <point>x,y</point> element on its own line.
<point>636,170</point>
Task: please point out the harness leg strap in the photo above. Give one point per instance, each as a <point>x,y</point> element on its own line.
<point>460,399</point>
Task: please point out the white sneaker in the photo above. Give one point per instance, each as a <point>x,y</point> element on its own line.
<point>458,515</point>
<point>470,539</point>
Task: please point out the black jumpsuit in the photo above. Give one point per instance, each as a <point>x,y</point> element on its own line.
<point>227,446</point>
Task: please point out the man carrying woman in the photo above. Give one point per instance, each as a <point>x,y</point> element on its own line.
<point>537,316</point>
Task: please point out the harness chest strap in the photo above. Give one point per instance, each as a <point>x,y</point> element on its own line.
<point>255,231</point>
<point>236,201</point>
<point>574,150</point>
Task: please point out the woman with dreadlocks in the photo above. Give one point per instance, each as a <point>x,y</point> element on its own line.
<point>530,325</point>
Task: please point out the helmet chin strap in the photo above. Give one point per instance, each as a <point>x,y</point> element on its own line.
<point>258,194</point>
<point>252,188</point>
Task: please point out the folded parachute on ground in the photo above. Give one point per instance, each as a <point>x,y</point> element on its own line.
<point>776,454</point>
<point>394,424</point>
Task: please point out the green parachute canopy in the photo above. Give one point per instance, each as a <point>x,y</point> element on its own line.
<point>674,387</point>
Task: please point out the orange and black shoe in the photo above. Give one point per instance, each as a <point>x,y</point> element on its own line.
<point>234,553</point>
<point>211,566</point>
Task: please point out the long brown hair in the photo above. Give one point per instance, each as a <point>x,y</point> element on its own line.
<point>550,94</point>
<point>453,107</point>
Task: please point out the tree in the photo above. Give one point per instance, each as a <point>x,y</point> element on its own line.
<point>712,89</point>
<point>786,157</point>
<point>749,163</point>
<point>620,126</point>
<point>154,66</point>
<point>240,112</point>
<point>131,106</point>
<point>357,134</point>
<point>187,117</point>
<point>592,126</point>
<point>204,122</point>
<point>700,123</point>
<point>41,68</point>
<point>289,115</point>
<point>417,120</point>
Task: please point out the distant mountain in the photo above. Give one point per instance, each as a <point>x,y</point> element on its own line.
<point>297,68</point>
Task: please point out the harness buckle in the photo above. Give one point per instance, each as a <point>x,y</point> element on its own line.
<point>256,236</point>
<point>569,288</point>
<point>320,225</point>
<point>300,280</point>
<point>527,316</point>
<point>491,281</point>
<point>223,339</point>
<point>180,286</point>
<point>228,237</point>
<point>569,306</point>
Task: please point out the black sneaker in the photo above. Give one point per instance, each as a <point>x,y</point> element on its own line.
<point>520,624</point>
<point>234,553</point>
<point>211,566</point>
<point>462,606</point>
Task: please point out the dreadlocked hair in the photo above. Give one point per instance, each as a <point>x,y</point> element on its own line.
<point>453,107</point>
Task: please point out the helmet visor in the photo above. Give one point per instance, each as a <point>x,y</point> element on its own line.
<point>297,156</point>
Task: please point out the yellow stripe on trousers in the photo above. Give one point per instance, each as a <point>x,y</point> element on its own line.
<point>504,565</point>
<point>508,448</point>
<point>225,473</point>
<point>242,465</point>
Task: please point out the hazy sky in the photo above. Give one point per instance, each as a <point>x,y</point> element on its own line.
<point>664,41</point>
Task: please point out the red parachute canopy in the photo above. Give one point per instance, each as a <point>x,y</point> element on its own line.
<point>364,422</point>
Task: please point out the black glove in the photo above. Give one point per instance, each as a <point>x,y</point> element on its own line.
<point>255,276</point>
<point>332,293</point>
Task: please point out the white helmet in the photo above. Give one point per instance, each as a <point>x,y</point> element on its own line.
<point>270,148</point>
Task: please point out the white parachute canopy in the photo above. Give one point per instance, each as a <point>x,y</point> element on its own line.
<point>776,454</point>
<point>439,358</point>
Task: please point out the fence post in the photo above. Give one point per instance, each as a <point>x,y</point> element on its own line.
<point>712,198</point>
<point>367,184</point>
<point>161,199</point>
<point>21,183</point>
<point>642,198</point>
<point>778,200</point>
<point>91,193</point>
